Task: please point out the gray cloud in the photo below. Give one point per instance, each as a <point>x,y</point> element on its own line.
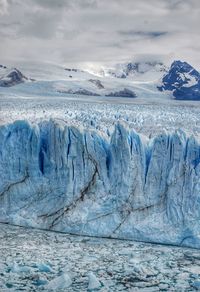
<point>3,7</point>
<point>77,31</point>
<point>143,34</point>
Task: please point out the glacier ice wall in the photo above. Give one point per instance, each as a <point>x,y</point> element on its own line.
<point>58,177</point>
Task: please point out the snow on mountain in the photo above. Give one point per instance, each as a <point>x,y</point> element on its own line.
<point>144,79</point>
<point>69,179</point>
<point>54,80</point>
<point>143,70</point>
<point>183,80</point>
<point>11,77</point>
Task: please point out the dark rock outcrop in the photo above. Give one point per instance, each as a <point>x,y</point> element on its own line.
<point>123,93</point>
<point>14,77</point>
<point>97,83</point>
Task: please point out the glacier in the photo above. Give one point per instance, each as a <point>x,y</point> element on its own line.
<point>59,177</point>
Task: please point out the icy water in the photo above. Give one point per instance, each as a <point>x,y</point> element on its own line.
<point>35,260</point>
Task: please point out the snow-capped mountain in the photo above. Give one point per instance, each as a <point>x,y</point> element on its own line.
<point>51,80</point>
<point>135,70</point>
<point>144,79</point>
<point>183,80</point>
<point>11,77</point>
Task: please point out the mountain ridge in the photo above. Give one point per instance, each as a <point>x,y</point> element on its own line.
<point>180,81</point>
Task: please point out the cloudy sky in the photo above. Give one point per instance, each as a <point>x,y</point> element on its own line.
<point>105,31</point>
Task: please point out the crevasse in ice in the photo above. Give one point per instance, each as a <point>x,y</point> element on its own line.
<point>58,177</point>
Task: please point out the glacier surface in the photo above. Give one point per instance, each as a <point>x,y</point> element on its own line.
<point>59,177</point>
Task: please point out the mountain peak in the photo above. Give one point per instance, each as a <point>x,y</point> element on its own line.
<point>183,80</point>
<point>135,69</point>
<point>12,77</point>
<point>184,67</point>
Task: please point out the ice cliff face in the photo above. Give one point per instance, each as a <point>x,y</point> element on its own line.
<point>58,177</point>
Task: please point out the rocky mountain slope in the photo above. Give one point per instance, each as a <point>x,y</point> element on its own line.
<point>183,80</point>
<point>11,77</point>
